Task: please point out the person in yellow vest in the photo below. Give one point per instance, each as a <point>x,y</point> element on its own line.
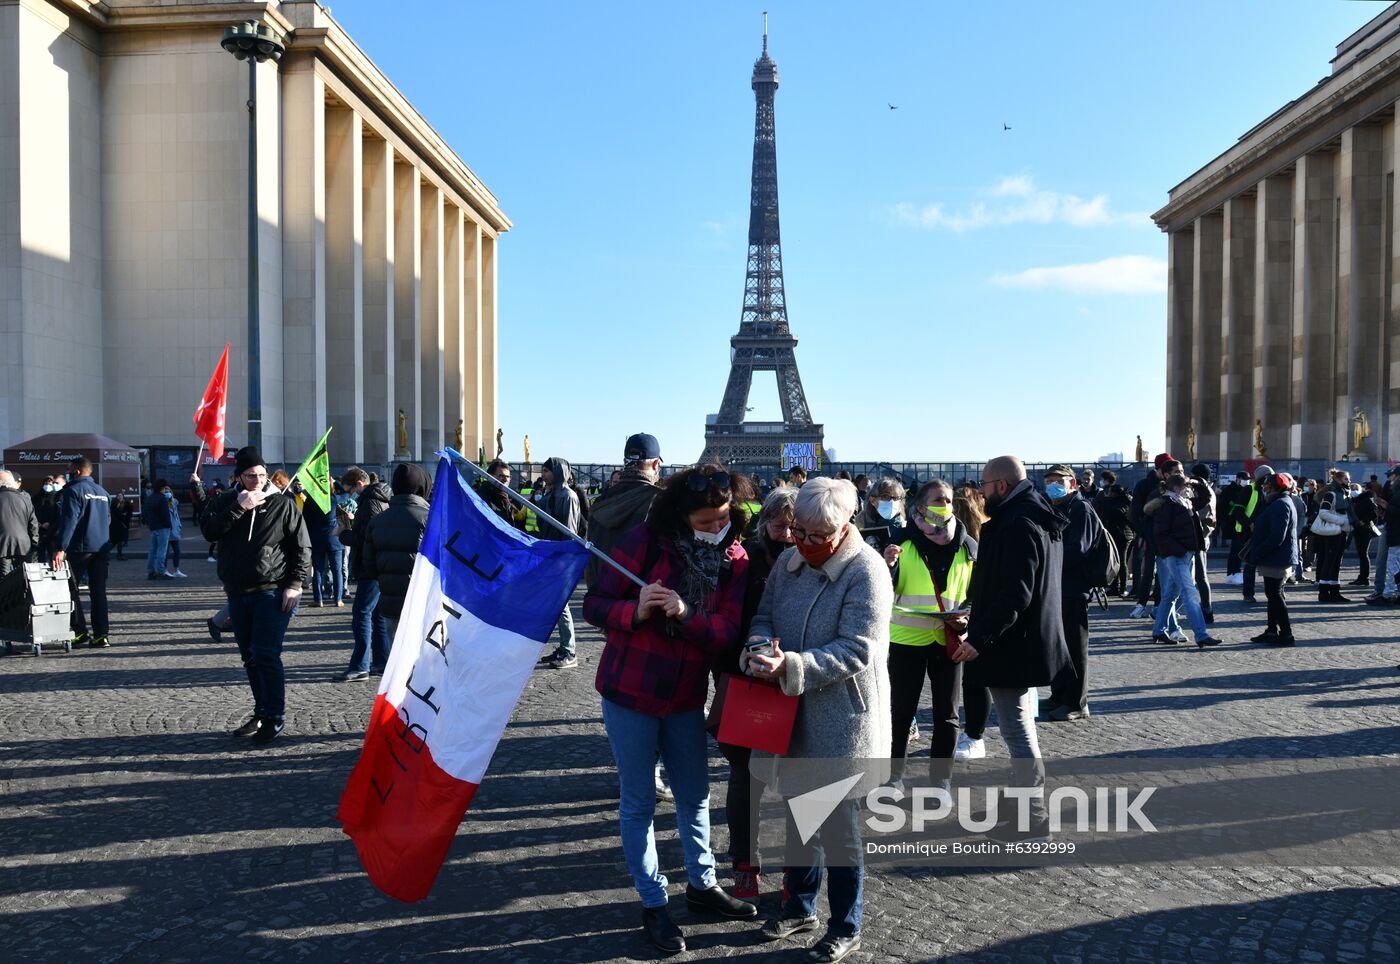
<point>931,564</point>
<point>525,517</point>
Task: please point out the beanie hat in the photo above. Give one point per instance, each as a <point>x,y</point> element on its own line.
<point>248,457</point>
<point>1263,472</point>
<point>409,479</point>
<point>1162,460</point>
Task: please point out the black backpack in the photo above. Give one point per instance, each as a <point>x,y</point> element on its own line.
<point>1102,564</point>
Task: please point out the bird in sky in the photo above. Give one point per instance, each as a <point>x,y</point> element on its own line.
<point>1005,126</point>
<point>892,106</point>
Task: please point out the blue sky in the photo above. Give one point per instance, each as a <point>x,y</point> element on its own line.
<point>957,290</point>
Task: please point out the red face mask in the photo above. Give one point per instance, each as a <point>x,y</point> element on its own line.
<point>816,556</point>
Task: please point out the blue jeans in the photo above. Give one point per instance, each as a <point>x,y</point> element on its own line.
<point>1179,586</point>
<point>636,739</point>
<point>567,643</point>
<point>259,626</point>
<point>326,560</point>
<point>371,631</point>
<point>157,547</point>
<point>838,839</point>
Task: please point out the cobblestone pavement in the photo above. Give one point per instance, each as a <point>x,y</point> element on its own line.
<point>134,828</point>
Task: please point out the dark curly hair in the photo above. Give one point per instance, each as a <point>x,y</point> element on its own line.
<point>680,496</point>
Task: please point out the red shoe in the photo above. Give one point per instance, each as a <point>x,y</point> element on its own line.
<point>746,882</point>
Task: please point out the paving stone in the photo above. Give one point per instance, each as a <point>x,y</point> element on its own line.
<point>135,829</point>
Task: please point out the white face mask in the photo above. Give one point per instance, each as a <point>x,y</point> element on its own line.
<point>711,538</point>
<point>886,510</point>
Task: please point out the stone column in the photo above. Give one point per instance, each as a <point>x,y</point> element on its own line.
<point>1237,330</point>
<point>407,349</point>
<point>430,306</point>
<point>471,339</point>
<point>452,328</point>
<point>1180,278</point>
<point>1314,307</point>
<point>345,283</point>
<point>1360,284</point>
<point>490,415</point>
<point>1207,270</point>
<point>1273,313</point>
<point>378,301</point>
<point>303,259</point>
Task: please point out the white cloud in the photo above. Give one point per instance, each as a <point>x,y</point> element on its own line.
<point>1016,200</point>
<point>1127,275</point>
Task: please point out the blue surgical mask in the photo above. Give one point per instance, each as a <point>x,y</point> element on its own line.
<point>1056,490</point>
<point>169,495</point>
<point>48,487</point>
<point>886,509</point>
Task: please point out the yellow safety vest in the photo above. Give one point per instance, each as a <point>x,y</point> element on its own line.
<point>1249,509</point>
<point>914,587</point>
<point>532,522</point>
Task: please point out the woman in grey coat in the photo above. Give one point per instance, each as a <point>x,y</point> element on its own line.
<point>827,610</point>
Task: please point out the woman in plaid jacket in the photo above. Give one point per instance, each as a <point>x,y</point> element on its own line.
<point>654,677</point>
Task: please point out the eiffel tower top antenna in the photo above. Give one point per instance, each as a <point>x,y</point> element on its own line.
<point>765,33</point>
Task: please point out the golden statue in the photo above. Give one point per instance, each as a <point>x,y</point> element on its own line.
<point>457,436</point>
<point>1259,448</point>
<point>1140,455</point>
<point>1360,430</point>
<point>500,442</point>
<point>1191,443</point>
<point>527,449</point>
<point>403,433</point>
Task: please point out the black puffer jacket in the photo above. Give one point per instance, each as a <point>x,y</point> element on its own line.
<point>1016,624</point>
<point>371,501</point>
<point>390,547</point>
<point>260,549</point>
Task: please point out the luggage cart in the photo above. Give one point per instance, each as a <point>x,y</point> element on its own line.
<point>35,609</point>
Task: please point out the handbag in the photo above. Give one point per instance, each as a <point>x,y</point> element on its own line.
<point>1321,527</point>
<point>757,714</point>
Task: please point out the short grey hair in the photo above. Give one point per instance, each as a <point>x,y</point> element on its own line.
<point>782,499</point>
<point>7,480</point>
<point>825,503</point>
<point>891,489</point>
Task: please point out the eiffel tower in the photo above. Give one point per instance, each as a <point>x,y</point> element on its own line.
<point>764,342</point>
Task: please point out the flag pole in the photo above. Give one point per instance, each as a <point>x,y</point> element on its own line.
<point>526,503</point>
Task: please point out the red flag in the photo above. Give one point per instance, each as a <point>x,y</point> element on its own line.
<point>209,417</point>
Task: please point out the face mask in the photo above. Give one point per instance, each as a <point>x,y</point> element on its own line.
<point>711,538</point>
<point>886,510</point>
<point>1056,490</point>
<point>938,515</point>
<point>816,556</point>
<point>168,495</point>
<point>48,488</point>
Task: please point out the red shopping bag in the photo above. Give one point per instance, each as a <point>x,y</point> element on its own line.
<point>757,714</point>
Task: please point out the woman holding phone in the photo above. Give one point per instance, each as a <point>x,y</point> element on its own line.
<point>931,566</point>
<point>654,676</point>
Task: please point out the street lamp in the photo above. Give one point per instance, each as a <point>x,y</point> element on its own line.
<point>254,42</point>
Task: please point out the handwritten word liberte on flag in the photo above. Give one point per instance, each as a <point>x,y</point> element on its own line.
<point>482,601</point>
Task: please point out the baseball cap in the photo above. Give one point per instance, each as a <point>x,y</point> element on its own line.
<point>1162,460</point>
<point>1064,470</point>
<point>641,447</point>
<point>1263,472</point>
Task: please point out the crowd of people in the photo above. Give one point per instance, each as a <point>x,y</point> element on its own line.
<point>848,593</point>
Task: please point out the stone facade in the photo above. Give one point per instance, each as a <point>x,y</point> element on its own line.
<point>1282,303</point>
<point>123,235</point>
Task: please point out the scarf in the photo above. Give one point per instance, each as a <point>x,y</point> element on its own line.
<point>700,577</point>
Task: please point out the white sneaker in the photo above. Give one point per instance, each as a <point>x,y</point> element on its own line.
<point>1138,612</point>
<point>1236,580</point>
<point>1179,635</point>
<point>210,559</point>
<point>914,731</point>
<point>179,575</point>
<point>969,749</point>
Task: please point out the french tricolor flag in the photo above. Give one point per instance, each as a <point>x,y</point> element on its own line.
<point>483,599</point>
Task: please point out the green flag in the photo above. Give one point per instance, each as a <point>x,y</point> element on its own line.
<point>315,475</point>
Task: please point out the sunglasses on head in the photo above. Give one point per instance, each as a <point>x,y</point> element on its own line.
<point>701,481</point>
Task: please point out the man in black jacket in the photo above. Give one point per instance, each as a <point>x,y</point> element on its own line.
<point>624,505</point>
<point>82,543</point>
<point>1016,634</point>
<point>19,526</point>
<point>390,544</point>
<point>1112,507</point>
<point>1147,489</point>
<point>370,629</point>
<point>559,500</point>
<point>1069,691</point>
<point>264,558</point>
